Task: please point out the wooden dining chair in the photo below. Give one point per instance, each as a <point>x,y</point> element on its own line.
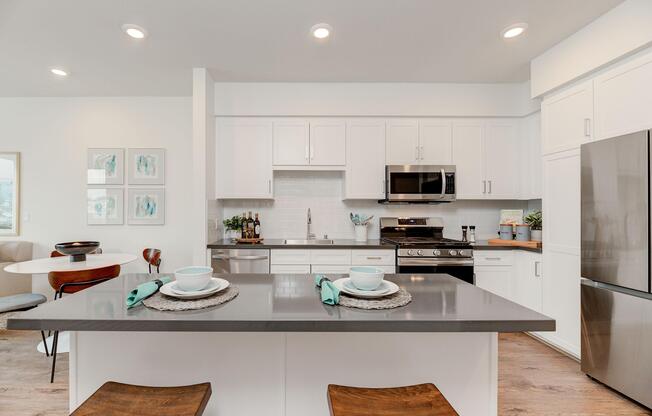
<point>418,400</point>
<point>118,399</point>
<point>153,258</point>
<point>72,282</point>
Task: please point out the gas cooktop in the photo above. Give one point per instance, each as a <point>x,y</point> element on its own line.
<point>425,241</point>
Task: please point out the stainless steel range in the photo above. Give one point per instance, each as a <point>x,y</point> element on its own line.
<point>422,247</point>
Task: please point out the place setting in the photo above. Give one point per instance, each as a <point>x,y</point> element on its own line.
<point>365,288</point>
<point>193,288</point>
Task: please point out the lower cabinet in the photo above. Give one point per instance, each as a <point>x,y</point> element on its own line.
<point>331,261</point>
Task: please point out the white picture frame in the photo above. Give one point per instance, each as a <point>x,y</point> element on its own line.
<point>9,193</point>
<point>146,206</point>
<point>105,166</point>
<point>146,166</point>
<point>105,206</point>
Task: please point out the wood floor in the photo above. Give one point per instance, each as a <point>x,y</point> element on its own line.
<point>533,380</point>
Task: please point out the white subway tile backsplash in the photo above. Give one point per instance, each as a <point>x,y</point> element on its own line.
<point>296,191</point>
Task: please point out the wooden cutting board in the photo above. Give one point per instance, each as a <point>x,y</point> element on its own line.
<point>249,240</point>
<point>514,243</point>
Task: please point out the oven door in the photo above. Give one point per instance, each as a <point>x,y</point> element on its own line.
<point>420,183</point>
<point>459,268</point>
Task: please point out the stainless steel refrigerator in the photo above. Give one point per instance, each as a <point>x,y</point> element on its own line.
<point>615,250</point>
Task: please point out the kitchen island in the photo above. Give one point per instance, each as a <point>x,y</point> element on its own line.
<point>274,348</point>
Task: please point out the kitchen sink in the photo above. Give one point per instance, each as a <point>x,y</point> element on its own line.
<point>315,241</point>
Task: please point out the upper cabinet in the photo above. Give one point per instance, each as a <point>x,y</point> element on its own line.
<point>419,142</point>
<point>530,157</point>
<point>402,142</point>
<point>486,154</point>
<point>300,143</point>
<point>567,118</point>
<point>365,159</point>
<point>623,98</point>
<point>243,158</point>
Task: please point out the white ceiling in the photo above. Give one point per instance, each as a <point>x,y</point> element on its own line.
<point>248,40</point>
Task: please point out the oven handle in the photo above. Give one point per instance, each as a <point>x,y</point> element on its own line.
<point>409,261</point>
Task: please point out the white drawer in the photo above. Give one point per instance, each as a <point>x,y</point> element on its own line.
<point>386,269</point>
<point>290,269</point>
<point>290,256</point>
<point>373,257</point>
<point>330,256</point>
<point>493,258</point>
<point>331,268</point>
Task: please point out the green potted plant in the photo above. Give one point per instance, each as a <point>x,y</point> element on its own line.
<point>232,227</point>
<point>535,221</point>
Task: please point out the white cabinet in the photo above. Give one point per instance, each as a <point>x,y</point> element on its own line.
<point>623,98</point>
<point>373,257</point>
<point>330,256</point>
<point>530,157</point>
<point>435,142</point>
<point>528,279</point>
<point>290,256</point>
<point>243,158</point>
<point>419,142</point>
<point>561,248</point>
<point>468,158</point>
<point>567,118</point>
<point>327,143</point>
<point>289,269</point>
<point>486,154</point>
<point>300,142</point>
<point>501,155</point>
<point>495,279</point>
<point>365,159</point>
<point>330,260</point>
<point>402,142</point>
<point>291,143</point>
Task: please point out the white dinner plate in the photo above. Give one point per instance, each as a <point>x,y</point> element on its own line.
<point>382,289</point>
<point>222,284</point>
<point>212,285</point>
<point>386,288</point>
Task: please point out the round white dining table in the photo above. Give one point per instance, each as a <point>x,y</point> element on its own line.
<point>63,264</point>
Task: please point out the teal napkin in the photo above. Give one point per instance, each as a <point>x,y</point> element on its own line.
<point>330,295</point>
<point>145,290</point>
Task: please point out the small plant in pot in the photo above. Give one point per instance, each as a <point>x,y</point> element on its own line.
<point>535,221</point>
<point>232,227</point>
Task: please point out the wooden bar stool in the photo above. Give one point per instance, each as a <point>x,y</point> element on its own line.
<point>153,258</point>
<point>117,399</point>
<point>419,400</point>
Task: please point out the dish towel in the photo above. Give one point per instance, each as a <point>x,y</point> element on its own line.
<point>145,290</point>
<point>330,295</point>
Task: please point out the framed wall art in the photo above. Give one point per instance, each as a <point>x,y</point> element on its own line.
<point>146,166</point>
<point>146,206</point>
<point>105,206</point>
<point>105,166</point>
<point>9,193</point>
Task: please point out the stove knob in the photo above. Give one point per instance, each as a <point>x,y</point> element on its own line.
<point>436,252</point>
<point>410,252</point>
<point>420,252</point>
<point>453,253</point>
<point>462,253</point>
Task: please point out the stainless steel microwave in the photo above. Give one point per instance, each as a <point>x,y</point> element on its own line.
<point>419,183</point>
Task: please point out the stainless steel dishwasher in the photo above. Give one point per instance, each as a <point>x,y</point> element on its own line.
<point>250,260</point>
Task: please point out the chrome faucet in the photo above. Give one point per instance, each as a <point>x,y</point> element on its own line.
<point>309,234</point>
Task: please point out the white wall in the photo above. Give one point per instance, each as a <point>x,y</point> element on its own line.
<point>623,30</point>
<point>373,99</point>
<point>295,192</point>
<point>53,134</point>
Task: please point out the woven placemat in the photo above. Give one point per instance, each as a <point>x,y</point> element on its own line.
<point>162,302</point>
<point>398,299</point>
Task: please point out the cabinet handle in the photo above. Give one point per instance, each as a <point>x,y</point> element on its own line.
<point>484,187</point>
<point>374,258</point>
<point>416,153</point>
<point>492,258</point>
<point>489,186</point>
<point>307,150</point>
<point>312,152</point>
<point>421,152</point>
<point>537,272</point>
<point>269,186</point>
<point>587,127</point>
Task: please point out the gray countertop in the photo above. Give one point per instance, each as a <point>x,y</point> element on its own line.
<point>484,245</point>
<point>290,303</point>
<point>278,243</point>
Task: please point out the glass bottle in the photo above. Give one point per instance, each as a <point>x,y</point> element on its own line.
<point>256,227</point>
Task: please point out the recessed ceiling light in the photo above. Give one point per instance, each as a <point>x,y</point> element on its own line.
<point>321,30</point>
<point>514,30</point>
<point>59,72</point>
<point>134,31</point>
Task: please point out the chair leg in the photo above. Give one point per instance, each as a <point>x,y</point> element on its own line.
<point>45,344</point>
<point>54,354</point>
